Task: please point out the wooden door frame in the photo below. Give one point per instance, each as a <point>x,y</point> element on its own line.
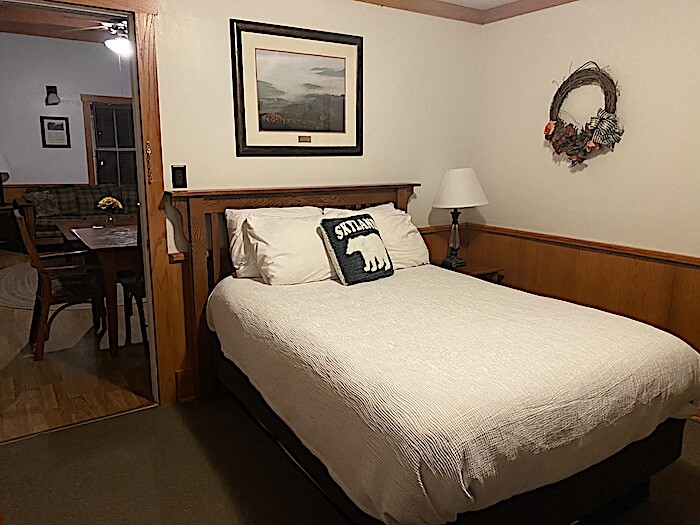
<point>166,279</point>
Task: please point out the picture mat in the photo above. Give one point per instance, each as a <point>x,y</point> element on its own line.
<point>249,42</point>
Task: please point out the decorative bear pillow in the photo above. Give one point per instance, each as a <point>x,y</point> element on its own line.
<point>356,250</point>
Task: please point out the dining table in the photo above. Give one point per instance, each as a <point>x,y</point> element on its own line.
<point>117,249</point>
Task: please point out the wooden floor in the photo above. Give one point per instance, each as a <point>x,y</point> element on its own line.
<point>71,386</point>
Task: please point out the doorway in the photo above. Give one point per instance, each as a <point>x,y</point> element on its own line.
<point>76,179</point>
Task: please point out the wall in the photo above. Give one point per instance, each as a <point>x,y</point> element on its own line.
<point>28,64</point>
<point>420,78</point>
<point>644,194</point>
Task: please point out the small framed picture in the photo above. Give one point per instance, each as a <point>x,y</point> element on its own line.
<point>55,132</point>
<point>297,92</point>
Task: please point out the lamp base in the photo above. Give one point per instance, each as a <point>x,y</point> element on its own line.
<point>452,261</point>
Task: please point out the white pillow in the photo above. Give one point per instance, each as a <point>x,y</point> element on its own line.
<point>242,254</point>
<point>402,239</point>
<point>289,250</point>
<point>382,209</point>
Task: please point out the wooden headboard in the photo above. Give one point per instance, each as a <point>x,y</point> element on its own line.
<point>208,260</point>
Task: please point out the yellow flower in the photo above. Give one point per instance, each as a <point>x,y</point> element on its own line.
<point>109,203</point>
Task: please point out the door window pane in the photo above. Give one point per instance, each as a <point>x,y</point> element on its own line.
<point>104,127</point>
<point>107,167</point>
<point>127,167</point>
<point>125,127</point>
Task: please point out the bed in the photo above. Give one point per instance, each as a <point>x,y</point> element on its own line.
<point>396,418</point>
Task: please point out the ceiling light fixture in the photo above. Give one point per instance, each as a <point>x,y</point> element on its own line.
<point>119,40</point>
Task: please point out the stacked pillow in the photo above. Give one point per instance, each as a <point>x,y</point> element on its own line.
<point>242,252</point>
<point>286,245</point>
<point>402,239</point>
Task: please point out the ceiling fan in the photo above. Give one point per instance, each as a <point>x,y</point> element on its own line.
<point>118,40</point>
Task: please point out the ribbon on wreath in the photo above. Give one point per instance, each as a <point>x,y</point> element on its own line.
<point>606,129</point>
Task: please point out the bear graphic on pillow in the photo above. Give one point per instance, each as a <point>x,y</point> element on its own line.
<point>372,250</point>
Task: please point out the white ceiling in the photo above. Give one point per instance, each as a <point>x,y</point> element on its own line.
<point>480,4</point>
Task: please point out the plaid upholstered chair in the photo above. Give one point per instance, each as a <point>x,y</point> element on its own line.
<point>64,279</point>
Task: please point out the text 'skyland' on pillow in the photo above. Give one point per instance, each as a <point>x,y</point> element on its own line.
<point>356,249</point>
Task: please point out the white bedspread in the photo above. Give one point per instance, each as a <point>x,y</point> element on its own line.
<point>431,393</point>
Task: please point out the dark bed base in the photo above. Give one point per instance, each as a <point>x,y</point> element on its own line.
<point>587,497</point>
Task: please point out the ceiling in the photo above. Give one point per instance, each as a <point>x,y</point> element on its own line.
<point>471,11</point>
<point>480,4</point>
<point>41,21</point>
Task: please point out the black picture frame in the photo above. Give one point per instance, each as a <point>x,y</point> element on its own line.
<point>305,145</point>
<point>51,141</point>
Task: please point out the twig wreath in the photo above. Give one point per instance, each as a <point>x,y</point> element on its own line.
<point>601,133</point>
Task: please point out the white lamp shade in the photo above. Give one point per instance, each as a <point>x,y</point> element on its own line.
<point>5,168</point>
<point>52,99</point>
<point>120,45</point>
<point>460,189</point>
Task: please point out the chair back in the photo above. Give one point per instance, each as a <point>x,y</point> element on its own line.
<point>28,243</point>
<point>44,277</point>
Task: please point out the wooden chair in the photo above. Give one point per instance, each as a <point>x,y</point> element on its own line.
<point>65,279</point>
<point>134,290</point>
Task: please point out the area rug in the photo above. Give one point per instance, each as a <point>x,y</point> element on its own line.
<point>17,291</point>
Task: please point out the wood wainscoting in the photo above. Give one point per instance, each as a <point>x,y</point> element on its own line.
<point>662,289</point>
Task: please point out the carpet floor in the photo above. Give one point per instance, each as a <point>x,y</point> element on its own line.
<point>209,463</point>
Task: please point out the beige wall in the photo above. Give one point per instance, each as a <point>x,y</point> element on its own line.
<point>420,78</point>
<point>442,94</point>
<point>644,194</point>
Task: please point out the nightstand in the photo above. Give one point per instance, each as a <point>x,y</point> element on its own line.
<point>482,270</point>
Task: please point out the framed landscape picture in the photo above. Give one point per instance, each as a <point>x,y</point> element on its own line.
<point>297,92</point>
<point>55,132</point>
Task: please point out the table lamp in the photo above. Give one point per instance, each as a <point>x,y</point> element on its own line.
<point>5,170</point>
<point>459,189</point>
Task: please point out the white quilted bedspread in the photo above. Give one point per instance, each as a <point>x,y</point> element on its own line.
<point>431,393</point>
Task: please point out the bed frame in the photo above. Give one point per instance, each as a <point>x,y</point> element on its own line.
<point>616,483</point>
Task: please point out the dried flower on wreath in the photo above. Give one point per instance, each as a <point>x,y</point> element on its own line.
<point>603,130</point>
<point>109,204</point>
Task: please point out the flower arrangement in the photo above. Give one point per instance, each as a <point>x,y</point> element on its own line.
<point>109,204</point>
<point>601,133</point>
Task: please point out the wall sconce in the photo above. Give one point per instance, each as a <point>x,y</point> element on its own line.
<point>52,96</point>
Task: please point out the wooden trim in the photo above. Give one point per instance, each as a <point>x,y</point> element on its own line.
<point>208,261</point>
<point>616,249</point>
<point>177,257</point>
<point>521,7</point>
<point>39,21</point>
<point>433,8</point>
<point>87,101</point>
<point>130,6</point>
<point>165,279</point>
<point>117,101</point>
<point>282,192</point>
<point>469,14</point>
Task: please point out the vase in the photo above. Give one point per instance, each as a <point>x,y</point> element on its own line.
<point>109,221</point>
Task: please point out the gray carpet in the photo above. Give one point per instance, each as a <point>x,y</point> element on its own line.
<point>200,464</point>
